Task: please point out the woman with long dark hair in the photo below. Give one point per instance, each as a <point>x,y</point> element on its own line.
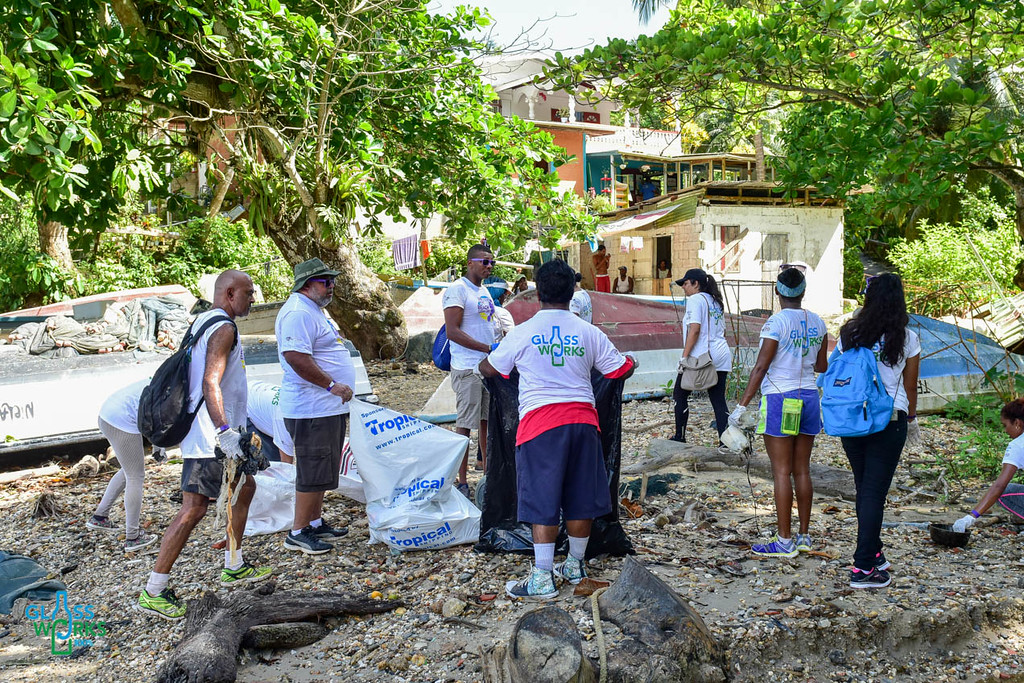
<point>881,325</point>
<point>703,332</point>
<point>793,347</point>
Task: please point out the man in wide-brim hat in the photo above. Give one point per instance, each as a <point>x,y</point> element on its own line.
<point>315,391</point>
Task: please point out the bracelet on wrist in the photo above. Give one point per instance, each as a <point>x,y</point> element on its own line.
<point>975,514</point>
<point>223,428</point>
<point>331,385</point>
<point>911,417</point>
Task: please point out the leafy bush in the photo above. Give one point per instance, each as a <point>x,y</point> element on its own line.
<point>942,259</point>
<point>981,450</point>
<point>28,276</point>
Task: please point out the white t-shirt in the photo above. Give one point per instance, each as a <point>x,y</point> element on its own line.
<point>581,305</point>
<point>477,314</point>
<point>304,327</point>
<point>800,333</point>
<point>503,323</point>
<point>554,352</point>
<point>622,286</point>
<point>892,377</point>
<point>703,310</point>
<point>121,409</point>
<point>202,438</point>
<point>1015,453</point>
<point>265,413</point>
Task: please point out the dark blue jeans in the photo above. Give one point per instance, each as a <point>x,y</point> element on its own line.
<point>874,459</point>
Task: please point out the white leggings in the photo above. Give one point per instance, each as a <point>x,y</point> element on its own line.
<point>132,456</point>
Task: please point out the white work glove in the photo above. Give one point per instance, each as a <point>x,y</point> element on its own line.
<point>964,523</point>
<point>230,441</point>
<point>913,433</point>
<point>159,454</point>
<point>742,417</point>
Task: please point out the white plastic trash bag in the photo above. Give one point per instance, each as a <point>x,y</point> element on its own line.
<point>350,484</point>
<point>273,505</point>
<point>438,523</point>
<point>408,467</point>
<point>402,458</point>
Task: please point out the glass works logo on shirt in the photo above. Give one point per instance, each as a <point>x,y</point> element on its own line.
<point>803,340</point>
<point>66,627</point>
<point>557,346</point>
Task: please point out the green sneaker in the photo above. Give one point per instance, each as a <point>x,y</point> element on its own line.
<point>539,585</point>
<point>245,573</point>
<point>166,605</point>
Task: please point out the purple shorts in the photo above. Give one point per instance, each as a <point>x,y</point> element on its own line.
<point>562,471</point>
<point>771,412</point>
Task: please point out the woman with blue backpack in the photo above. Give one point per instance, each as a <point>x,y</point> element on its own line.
<point>793,347</point>
<point>880,327</point>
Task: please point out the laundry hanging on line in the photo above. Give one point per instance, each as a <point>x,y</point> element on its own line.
<point>406,252</point>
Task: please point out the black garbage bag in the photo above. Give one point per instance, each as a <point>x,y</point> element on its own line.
<point>500,529</point>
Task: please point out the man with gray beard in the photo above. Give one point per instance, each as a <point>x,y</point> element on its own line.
<point>315,391</point>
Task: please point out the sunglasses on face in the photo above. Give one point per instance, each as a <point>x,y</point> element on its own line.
<point>326,281</point>
<point>484,261</point>
<point>799,266</point>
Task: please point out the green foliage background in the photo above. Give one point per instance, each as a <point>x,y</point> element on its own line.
<point>943,257</point>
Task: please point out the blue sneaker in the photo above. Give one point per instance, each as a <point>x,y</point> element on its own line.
<point>803,543</point>
<point>775,548</point>
<point>539,585</point>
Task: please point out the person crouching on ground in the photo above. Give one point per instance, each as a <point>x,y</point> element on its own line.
<point>703,332</point>
<point>315,390</point>
<point>559,462</point>
<point>793,348</point>
<point>217,377</point>
<point>1010,496</point>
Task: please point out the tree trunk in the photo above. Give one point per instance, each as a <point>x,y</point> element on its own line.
<point>221,192</point>
<point>214,630</point>
<point>53,241</point>
<point>1015,181</point>
<point>362,306</point>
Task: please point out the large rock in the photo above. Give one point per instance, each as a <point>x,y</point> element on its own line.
<point>420,347</point>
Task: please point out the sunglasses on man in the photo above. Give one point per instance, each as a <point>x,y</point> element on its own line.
<point>484,261</point>
<point>325,281</point>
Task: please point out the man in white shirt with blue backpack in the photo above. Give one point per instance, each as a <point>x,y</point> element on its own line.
<point>560,469</point>
<point>469,324</point>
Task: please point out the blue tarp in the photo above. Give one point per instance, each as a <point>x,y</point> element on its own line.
<point>22,576</point>
<point>950,350</point>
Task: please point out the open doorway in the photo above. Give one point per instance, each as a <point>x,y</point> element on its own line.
<point>663,252</point>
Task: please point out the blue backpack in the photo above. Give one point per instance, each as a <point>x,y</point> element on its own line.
<point>442,352</point>
<point>854,401</point>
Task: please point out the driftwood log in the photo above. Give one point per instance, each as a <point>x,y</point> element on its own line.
<point>216,628</point>
<point>830,481</point>
<point>668,638</point>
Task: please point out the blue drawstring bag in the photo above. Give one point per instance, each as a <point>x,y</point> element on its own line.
<point>442,352</point>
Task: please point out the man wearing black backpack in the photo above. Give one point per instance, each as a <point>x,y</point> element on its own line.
<point>218,394</point>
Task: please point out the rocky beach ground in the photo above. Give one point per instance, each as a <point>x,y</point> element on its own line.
<point>948,615</point>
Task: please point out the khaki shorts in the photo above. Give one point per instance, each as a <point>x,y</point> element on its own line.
<point>471,399</point>
<point>318,443</point>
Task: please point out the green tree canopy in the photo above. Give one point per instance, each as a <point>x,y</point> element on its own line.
<point>320,111</point>
<point>904,95</point>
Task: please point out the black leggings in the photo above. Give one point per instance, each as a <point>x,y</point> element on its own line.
<point>717,396</point>
<point>873,459</point>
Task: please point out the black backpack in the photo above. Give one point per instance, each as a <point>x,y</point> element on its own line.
<point>164,418</point>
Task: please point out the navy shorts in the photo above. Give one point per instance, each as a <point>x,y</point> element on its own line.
<point>562,470</point>
<point>770,422</point>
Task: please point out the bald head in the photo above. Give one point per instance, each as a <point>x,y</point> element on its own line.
<point>234,292</point>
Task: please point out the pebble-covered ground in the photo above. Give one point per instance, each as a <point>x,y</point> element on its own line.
<point>949,615</point>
